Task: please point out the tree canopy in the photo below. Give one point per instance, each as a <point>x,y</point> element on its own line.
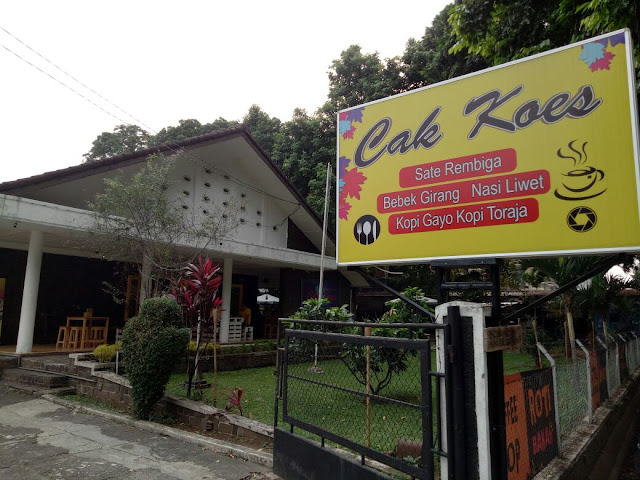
<point>464,37</point>
<point>123,139</point>
<point>505,30</point>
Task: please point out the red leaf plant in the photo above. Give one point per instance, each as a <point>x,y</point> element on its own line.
<point>197,292</point>
<point>234,398</point>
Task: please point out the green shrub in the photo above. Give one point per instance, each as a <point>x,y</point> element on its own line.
<point>162,311</point>
<point>264,345</point>
<point>233,350</point>
<point>105,353</point>
<point>152,343</point>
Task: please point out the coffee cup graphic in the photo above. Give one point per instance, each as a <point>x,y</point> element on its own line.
<point>583,181</point>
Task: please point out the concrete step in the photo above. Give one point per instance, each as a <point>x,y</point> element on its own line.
<point>29,377</point>
<point>53,364</point>
<point>8,361</point>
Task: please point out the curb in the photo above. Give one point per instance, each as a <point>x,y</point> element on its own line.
<point>218,446</point>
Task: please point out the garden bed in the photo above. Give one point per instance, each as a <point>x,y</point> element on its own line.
<point>114,390</point>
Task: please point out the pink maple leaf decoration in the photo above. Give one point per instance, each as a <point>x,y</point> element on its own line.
<point>344,116</point>
<point>343,208</point>
<point>353,180</point>
<point>349,133</point>
<point>602,63</point>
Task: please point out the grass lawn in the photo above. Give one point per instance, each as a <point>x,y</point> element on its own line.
<point>338,411</point>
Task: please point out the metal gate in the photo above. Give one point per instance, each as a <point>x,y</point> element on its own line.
<point>376,389</point>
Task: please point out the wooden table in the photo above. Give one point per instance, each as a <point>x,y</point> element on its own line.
<point>85,331</point>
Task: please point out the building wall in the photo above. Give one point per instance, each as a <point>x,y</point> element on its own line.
<point>297,285</point>
<point>258,219</point>
<point>68,286</point>
<point>13,264</point>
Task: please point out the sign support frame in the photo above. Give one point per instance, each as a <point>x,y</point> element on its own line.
<point>495,366</point>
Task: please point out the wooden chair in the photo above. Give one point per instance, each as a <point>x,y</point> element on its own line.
<point>97,332</point>
<point>63,338</point>
<point>75,337</point>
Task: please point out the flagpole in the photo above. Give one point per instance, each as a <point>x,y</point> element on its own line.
<point>324,234</point>
<point>315,368</point>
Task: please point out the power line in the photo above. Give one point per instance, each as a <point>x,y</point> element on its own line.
<point>61,83</point>
<point>68,74</point>
<point>193,157</point>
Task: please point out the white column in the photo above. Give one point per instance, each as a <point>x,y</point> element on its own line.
<point>30,293</point>
<point>227,272</point>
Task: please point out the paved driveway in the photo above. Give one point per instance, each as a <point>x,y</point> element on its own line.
<point>39,440</point>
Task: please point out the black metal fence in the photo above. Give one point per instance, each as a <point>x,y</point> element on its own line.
<point>372,388</point>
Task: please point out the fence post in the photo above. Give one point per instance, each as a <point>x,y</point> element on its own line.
<point>606,363</point>
<point>589,395</point>
<point>618,381</point>
<point>624,346</point>
<point>555,390</point>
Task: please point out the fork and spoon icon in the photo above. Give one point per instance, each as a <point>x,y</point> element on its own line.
<point>367,227</point>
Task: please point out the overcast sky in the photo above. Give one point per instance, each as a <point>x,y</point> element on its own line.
<point>162,61</point>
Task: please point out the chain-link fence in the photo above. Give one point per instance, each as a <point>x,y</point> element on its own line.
<point>613,371</point>
<point>632,351</point>
<point>371,390</point>
<point>553,391</point>
<point>574,402</point>
<point>593,374</point>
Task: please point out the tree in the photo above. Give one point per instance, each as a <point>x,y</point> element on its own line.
<point>197,293</point>
<point>187,129</point>
<point>428,61</point>
<point>603,294</point>
<point>138,219</point>
<point>123,139</point>
<point>385,362</point>
<point>561,270</point>
<point>152,343</point>
<point>317,191</point>
<point>501,30</point>
<point>301,145</point>
<point>262,127</point>
<point>356,78</point>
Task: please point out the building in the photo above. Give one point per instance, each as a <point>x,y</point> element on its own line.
<point>53,270</point>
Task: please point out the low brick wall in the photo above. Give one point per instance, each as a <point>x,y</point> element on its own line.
<point>115,390</point>
<point>235,361</point>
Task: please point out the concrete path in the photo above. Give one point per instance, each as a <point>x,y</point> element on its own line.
<point>41,440</point>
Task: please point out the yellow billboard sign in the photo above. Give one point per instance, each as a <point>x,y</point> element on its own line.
<point>538,156</point>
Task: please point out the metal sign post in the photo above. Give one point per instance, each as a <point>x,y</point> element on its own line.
<point>494,359</point>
